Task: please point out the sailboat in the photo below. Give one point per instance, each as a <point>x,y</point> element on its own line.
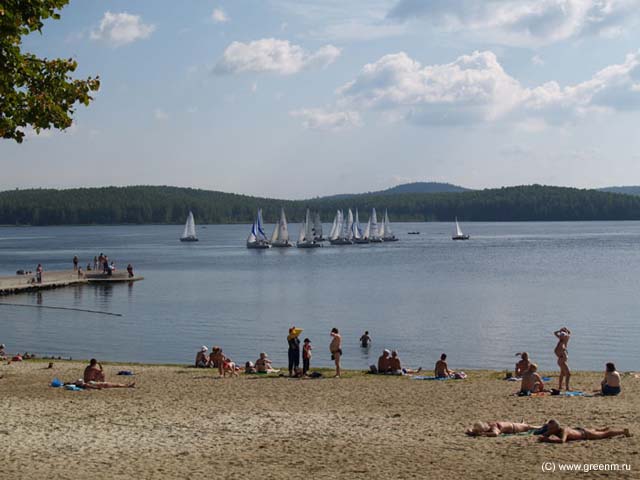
<point>458,235</point>
<point>257,237</point>
<point>358,234</point>
<point>374,233</point>
<point>387,234</point>
<point>317,228</point>
<point>306,238</point>
<point>189,234</point>
<point>280,236</point>
<point>343,234</point>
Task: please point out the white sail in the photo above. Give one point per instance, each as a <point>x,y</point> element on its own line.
<point>356,227</point>
<point>276,233</point>
<point>458,231</point>
<point>259,225</point>
<point>367,230</point>
<point>302,232</point>
<point>348,233</point>
<point>387,225</point>
<point>334,226</point>
<point>189,227</point>
<point>317,227</point>
<point>283,228</point>
<point>308,227</point>
<point>252,238</point>
<point>338,230</point>
<point>373,220</point>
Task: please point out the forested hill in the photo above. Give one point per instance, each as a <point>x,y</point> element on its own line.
<point>157,204</point>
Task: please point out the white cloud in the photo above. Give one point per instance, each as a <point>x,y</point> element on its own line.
<point>537,60</point>
<point>160,114</point>
<point>320,119</point>
<point>274,56</point>
<point>476,89</point>
<point>219,16</point>
<point>120,29</point>
<point>523,22</point>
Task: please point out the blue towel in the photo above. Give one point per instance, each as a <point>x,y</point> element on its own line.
<point>125,372</point>
<point>546,379</point>
<point>56,382</point>
<point>431,378</point>
<point>573,394</point>
<point>73,388</point>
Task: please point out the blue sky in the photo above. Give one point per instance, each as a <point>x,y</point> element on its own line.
<point>297,98</point>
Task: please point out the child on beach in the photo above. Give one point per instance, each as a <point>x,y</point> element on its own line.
<point>306,355</point>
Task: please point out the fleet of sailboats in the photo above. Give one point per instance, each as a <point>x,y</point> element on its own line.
<point>189,234</point>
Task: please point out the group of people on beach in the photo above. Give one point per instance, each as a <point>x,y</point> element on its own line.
<point>550,432</point>
<point>533,383</point>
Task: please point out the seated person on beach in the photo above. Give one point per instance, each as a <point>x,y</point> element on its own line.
<point>552,432</point>
<point>202,359</point>
<point>3,354</point>
<point>395,366</point>
<point>93,372</point>
<point>531,381</point>
<point>263,364</point>
<point>611,383</point>
<point>229,366</point>
<point>249,368</point>
<point>216,358</point>
<point>493,429</point>
<point>383,362</point>
<point>523,365</point>
<point>442,369</point>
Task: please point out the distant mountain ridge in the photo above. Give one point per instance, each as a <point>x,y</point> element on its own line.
<point>413,187</point>
<point>628,190</point>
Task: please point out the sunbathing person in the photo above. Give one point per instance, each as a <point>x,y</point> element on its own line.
<point>263,364</point>
<point>250,368</point>
<point>493,429</point>
<point>383,361</point>
<point>93,372</point>
<point>611,383</point>
<point>531,381</point>
<point>523,365</point>
<point>395,366</point>
<point>80,383</point>
<point>442,369</point>
<point>552,432</point>
<point>216,359</point>
<point>202,359</point>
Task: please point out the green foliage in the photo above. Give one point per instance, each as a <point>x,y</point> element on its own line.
<point>34,91</point>
<point>145,204</point>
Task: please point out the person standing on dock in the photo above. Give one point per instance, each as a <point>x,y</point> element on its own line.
<point>75,263</point>
<point>39,273</point>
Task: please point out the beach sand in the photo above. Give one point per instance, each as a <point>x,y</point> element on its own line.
<point>182,422</point>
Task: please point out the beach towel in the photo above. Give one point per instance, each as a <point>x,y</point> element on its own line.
<point>560,394</point>
<point>126,372</point>
<point>73,388</point>
<point>422,377</point>
<point>519,379</point>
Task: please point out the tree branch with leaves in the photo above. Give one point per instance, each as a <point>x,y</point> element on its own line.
<point>35,92</point>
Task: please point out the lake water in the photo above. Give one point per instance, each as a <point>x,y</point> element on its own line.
<point>504,291</point>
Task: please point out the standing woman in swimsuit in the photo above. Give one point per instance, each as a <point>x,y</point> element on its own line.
<point>563,335</point>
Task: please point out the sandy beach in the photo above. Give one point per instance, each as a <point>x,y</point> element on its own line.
<point>181,422</point>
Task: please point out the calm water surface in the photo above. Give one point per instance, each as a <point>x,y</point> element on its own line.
<point>480,301</point>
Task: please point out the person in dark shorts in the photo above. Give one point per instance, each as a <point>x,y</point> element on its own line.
<point>611,383</point>
<point>294,349</point>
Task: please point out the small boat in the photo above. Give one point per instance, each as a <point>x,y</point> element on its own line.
<point>343,234</point>
<point>374,232</point>
<point>458,235</point>
<point>358,233</point>
<point>413,233</point>
<point>189,234</point>
<point>306,237</point>
<point>257,238</point>
<point>280,236</point>
<point>387,234</point>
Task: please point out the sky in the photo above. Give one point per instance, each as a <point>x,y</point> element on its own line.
<point>299,98</point>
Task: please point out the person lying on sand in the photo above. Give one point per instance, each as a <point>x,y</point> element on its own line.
<point>263,364</point>
<point>80,383</point>
<point>202,359</point>
<point>93,372</point>
<point>552,432</point>
<point>611,383</point>
<point>383,361</point>
<point>523,365</point>
<point>442,369</point>
<point>493,429</point>
<point>531,381</point>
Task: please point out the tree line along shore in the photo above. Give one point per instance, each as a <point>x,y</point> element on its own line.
<point>171,205</point>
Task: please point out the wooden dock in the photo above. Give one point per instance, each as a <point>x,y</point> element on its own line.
<point>58,279</point>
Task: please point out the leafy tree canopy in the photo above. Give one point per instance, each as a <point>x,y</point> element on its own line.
<point>35,92</point>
